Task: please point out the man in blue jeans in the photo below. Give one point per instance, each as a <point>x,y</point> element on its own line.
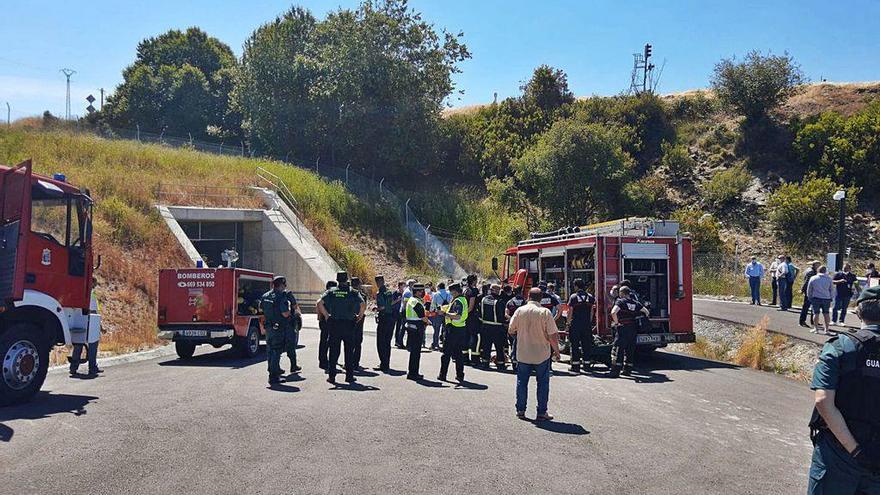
<point>537,342</point>
<point>754,272</point>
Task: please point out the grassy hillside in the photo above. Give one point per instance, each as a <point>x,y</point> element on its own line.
<point>133,241</point>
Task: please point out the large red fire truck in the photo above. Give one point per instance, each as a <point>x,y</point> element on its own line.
<point>215,306</point>
<point>45,275</point>
<point>652,254</point>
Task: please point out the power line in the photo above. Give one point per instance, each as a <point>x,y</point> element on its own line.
<point>67,73</point>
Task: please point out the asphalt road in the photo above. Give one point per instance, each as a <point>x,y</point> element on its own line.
<point>784,322</point>
<point>211,425</point>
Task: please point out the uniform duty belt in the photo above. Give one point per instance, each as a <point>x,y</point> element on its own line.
<point>491,323</point>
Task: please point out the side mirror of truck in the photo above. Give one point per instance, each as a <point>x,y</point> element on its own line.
<point>494,263</point>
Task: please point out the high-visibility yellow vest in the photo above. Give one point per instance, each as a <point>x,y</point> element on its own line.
<point>462,319</point>
<point>411,309</point>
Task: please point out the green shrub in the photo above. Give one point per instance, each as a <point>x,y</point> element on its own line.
<point>693,107</point>
<point>129,226</point>
<point>677,161</point>
<point>727,186</point>
<point>703,228</point>
<point>805,216</point>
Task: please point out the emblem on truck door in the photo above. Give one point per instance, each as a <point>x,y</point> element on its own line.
<point>47,257</point>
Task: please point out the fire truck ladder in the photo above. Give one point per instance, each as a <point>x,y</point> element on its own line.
<point>620,227</point>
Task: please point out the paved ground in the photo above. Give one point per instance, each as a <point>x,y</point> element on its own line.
<point>785,322</point>
<point>211,425</point>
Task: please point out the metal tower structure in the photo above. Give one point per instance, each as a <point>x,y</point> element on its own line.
<point>67,73</point>
<point>642,79</point>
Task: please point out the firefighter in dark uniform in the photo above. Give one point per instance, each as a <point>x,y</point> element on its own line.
<point>845,427</point>
<point>512,305</point>
<point>415,321</point>
<point>324,336</point>
<point>358,326</point>
<point>277,311</point>
<point>342,308</point>
<point>472,293</point>
<point>625,314</point>
<point>492,331</point>
<point>580,325</point>
<point>291,330</point>
<point>456,338</point>
<point>385,320</point>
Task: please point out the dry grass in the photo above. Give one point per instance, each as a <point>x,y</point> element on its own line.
<point>753,351</point>
<point>134,243</point>
<point>703,348</point>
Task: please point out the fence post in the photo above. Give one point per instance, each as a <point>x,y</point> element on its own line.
<point>317,160</point>
<point>406,210</point>
<point>380,186</point>
<point>221,147</point>
<point>242,148</point>
<point>346,174</point>
<point>190,138</point>
<point>138,127</point>
<point>427,231</point>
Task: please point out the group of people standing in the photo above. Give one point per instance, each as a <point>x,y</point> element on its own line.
<point>824,295</point>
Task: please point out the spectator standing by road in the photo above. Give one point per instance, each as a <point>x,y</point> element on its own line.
<point>843,283</point>
<point>782,282</point>
<point>790,278</point>
<point>820,290</point>
<point>754,273</point>
<point>872,272</point>
<point>396,305</point>
<point>805,307</point>
<point>537,343</point>
<point>440,298</point>
<point>773,284</point>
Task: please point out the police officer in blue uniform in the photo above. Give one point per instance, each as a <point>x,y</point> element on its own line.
<point>359,325</point>
<point>415,322</point>
<point>492,318</point>
<point>324,335</point>
<point>277,312</point>
<point>342,308</point>
<point>385,321</point>
<point>845,427</point>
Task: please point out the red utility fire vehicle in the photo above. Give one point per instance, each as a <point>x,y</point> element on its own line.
<point>652,254</point>
<point>45,275</point>
<point>215,306</point>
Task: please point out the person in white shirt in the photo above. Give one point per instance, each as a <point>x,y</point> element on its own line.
<point>782,283</point>
<point>754,272</point>
<point>773,283</point>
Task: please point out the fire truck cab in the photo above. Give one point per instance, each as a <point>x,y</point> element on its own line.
<point>46,265</point>
<point>652,254</point>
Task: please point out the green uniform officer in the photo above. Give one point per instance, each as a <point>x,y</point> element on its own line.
<point>291,330</point>
<point>845,427</point>
<point>456,341</point>
<point>342,308</point>
<point>415,330</point>
<point>277,311</point>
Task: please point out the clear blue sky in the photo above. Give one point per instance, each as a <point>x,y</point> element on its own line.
<point>591,40</point>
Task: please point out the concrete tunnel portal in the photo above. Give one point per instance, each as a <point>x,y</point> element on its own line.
<point>271,240</point>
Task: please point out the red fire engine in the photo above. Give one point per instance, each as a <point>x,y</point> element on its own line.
<point>652,254</point>
<point>215,306</point>
<point>45,275</point>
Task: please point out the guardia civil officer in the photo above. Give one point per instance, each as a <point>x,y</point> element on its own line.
<point>359,325</point>
<point>845,427</point>
<point>456,338</point>
<point>277,311</point>
<point>472,293</point>
<point>580,325</point>
<point>625,314</point>
<point>512,305</point>
<point>385,320</point>
<point>342,308</point>
<point>324,336</point>
<point>291,328</point>
<point>492,321</point>
<point>416,320</point>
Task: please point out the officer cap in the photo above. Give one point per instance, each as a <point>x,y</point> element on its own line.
<point>869,294</point>
<point>342,277</point>
<point>495,288</point>
<point>279,279</point>
<point>456,287</point>
<point>471,278</point>
<point>418,286</point>
<point>380,278</point>
<point>355,281</point>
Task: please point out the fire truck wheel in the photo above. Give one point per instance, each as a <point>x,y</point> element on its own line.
<point>249,345</point>
<point>185,350</point>
<point>25,355</point>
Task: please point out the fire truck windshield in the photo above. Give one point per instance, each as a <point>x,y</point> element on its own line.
<point>64,219</point>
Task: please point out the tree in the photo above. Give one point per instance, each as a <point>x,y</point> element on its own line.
<point>575,173</point>
<point>179,83</point>
<point>703,228</point>
<point>362,86</point>
<point>805,215</point>
<point>757,85</point>
<point>547,89</point>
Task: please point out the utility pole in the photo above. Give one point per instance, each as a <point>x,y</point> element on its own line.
<point>67,73</point>
<point>102,98</point>
<point>8,115</point>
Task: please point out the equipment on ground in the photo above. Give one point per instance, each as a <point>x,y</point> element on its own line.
<point>215,306</point>
<point>652,254</point>
<point>46,265</point>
